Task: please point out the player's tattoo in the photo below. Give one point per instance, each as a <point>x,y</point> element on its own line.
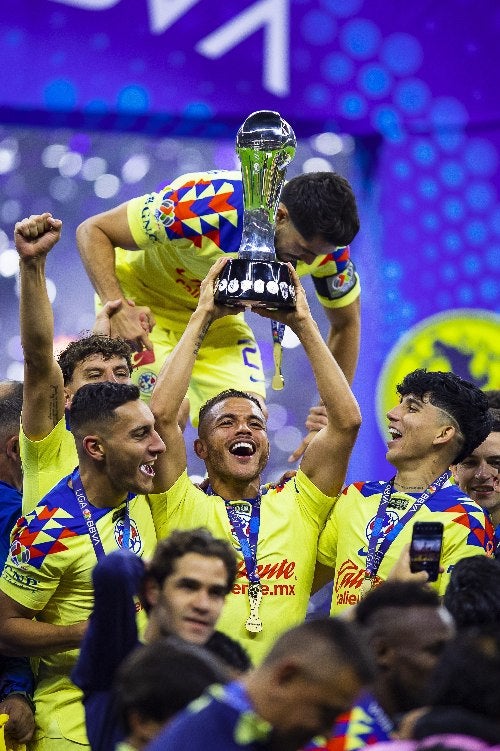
<point>201,338</point>
<point>53,411</point>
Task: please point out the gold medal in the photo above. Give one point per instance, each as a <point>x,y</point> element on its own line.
<point>254,623</point>
<point>366,586</point>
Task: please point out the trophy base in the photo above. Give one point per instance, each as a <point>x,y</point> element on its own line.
<point>265,284</point>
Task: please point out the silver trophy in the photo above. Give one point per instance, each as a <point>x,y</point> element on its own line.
<point>265,145</point>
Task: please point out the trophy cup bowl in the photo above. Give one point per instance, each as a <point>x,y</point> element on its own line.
<point>265,145</point>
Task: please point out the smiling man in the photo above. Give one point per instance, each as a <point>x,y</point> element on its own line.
<point>157,248</point>
<point>46,592</point>
<point>273,529</point>
<point>478,474</point>
<point>439,421</point>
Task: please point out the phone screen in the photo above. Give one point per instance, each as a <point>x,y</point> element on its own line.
<point>425,549</point>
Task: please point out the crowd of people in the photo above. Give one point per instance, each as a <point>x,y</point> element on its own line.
<point>141,610</point>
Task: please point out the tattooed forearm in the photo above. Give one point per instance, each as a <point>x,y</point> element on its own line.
<point>53,408</point>
<point>201,337</point>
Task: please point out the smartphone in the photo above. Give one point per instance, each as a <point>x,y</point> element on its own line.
<point>425,548</point>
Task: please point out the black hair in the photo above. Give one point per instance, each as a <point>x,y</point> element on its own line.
<point>97,402</point>
<point>473,592</point>
<point>493,397</point>
<point>322,203</point>
<point>467,674</point>
<point>158,680</point>
<point>226,394</point>
<point>323,636</point>
<point>394,594</point>
<point>181,542</point>
<point>495,419</point>
<point>229,651</point>
<point>11,402</point>
<point>460,399</point>
<point>95,344</point>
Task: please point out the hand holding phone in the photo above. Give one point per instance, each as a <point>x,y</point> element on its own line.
<point>425,548</point>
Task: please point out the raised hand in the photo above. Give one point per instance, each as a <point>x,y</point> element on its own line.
<point>36,235</point>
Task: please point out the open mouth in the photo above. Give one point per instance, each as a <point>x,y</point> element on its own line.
<point>242,448</point>
<point>147,469</point>
<point>395,434</point>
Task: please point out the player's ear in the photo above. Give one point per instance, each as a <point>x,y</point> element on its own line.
<point>200,448</point>
<point>93,447</point>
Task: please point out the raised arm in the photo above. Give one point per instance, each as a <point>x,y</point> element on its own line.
<point>97,237</point>
<point>343,342</point>
<point>326,458</point>
<point>173,379</point>
<point>43,393</point>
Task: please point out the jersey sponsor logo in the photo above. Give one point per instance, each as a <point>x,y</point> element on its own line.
<point>191,286</point>
<point>20,579</point>
<point>267,589</point>
<point>135,541</point>
<point>284,569</point>
<point>19,554</point>
<point>350,577</point>
<point>146,382</point>
<point>464,341</point>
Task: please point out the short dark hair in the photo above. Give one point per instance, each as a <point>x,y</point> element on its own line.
<point>97,402</point>
<point>95,344</point>
<point>467,674</point>
<point>11,403</point>
<point>394,594</point>
<point>495,420</point>
<point>180,542</point>
<point>158,680</point>
<point>322,203</point>
<point>473,592</point>
<point>229,651</point>
<point>226,394</point>
<point>493,397</point>
<point>326,635</point>
<point>462,400</point>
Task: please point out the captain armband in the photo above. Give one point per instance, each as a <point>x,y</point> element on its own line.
<point>337,285</point>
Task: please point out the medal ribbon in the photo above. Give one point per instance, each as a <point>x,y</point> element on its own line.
<point>278,330</point>
<point>378,545</point>
<point>88,517</point>
<point>248,544</point>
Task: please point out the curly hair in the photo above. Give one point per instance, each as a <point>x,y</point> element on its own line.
<point>322,203</point>
<point>460,399</point>
<point>95,344</point>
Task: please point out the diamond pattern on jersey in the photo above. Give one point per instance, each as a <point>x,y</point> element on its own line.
<point>42,532</point>
<point>204,209</point>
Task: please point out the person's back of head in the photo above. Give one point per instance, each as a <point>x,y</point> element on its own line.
<point>493,397</point>
<point>322,204</point>
<point>11,400</point>
<point>157,681</point>
<point>473,592</point>
<point>230,652</point>
<point>460,400</point>
<point>393,594</point>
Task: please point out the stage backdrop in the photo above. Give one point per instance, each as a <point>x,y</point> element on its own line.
<point>402,99</point>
